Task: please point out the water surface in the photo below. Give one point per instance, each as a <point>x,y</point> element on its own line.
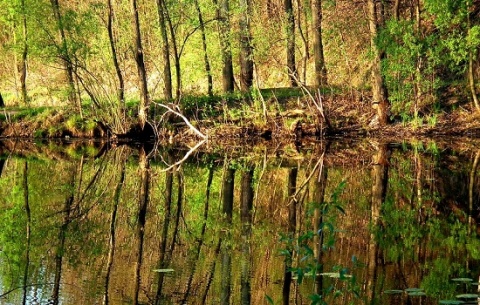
<point>360,222</point>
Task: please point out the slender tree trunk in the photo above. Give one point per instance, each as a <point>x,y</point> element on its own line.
<point>167,72</point>
<point>65,56</point>
<point>396,10</point>
<point>246,51</point>
<point>227,208</point>
<point>142,72</point>
<point>471,76</point>
<point>290,29</point>
<point>176,54</point>
<point>116,64</point>
<point>319,59</point>
<point>204,46</point>
<point>224,32</point>
<point>2,103</point>
<point>23,64</point>
<point>380,101</point>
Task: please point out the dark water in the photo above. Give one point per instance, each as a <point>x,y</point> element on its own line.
<point>334,221</point>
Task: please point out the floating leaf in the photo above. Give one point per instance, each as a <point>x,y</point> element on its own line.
<point>163,270</point>
<point>467,296</point>
<point>417,294</point>
<point>462,279</point>
<point>413,290</point>
<point>393,291</point>
<point>451,302</point>
<point>336,275</point>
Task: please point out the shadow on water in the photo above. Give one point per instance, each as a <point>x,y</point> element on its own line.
<point>334,222</point>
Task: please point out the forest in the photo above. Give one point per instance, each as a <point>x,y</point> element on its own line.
<point>127,62</point>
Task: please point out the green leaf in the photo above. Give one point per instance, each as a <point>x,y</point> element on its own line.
<point>393,291</point>
<point>269,300</point>
<point>163,270</point>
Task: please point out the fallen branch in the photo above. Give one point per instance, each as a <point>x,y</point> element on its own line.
<point>201,135</point>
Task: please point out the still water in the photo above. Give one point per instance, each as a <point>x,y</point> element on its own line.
<point>360,222</point>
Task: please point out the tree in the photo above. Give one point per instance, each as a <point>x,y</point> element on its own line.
<point>290,29</point>
<point>116,64</point>
<point>139,60</point>
<point>23,63</point>
<point>224,33</point>
<point>246,51</point>
<point>65,55</point>
<point>379,91</point>
<point>320,78</point>
<point>167,74</point>
<point>204,45</point>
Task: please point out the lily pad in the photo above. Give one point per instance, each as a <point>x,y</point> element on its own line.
<point>393,291</point>
<point>163,270</point>
<point>451,302</point>
<point>463,280</point>
<point>467,296</point>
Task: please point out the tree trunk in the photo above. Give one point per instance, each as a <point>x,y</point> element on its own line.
<point>290,29</point>
<point>224,32</point>
<point>228,189</point>
<point>319,59</point>
<point>176,54</point>
<point>2,103</point>
<point>246,52</point>
<point>205,53</point>
<point>65,56</point>
<point>28,232</point>
<point>23,64</point>
<point>167,72</point>
<point>142,73</point>
<point>116,64</point>
<point>379,92</point>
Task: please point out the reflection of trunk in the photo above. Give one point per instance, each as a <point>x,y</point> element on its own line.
<point>471,188</point>
<point>202,236</point>
<point>163,261</point>
<point>60,251</point>
<point>226,268</point>
<point>142,213</point>
<point>211,273</point>
<point>27,250</point>
<point>205,53</point>
<point>379,189</point>
<point>113,218</point>
<point>319,200</point>
<point>228,188</point>
<point>246,204</point>
<point>292,225</point>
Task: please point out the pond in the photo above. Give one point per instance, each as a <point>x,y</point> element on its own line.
<point>328,222</point>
